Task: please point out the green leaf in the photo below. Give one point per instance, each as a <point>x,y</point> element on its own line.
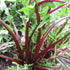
<point>64,44</point>
<point>44,21</point>
<point>24,28</point>
<point>49,4</point>
<point>66,0</point>
<point>27,10</point>
<point>9,18</point>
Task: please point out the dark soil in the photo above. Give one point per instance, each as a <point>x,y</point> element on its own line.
<point>4,63</point>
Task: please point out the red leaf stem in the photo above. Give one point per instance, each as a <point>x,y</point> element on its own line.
<point>29,2</point>
<point>62,41</point>
<point>54,1</point>
<point>10,59</point>
<point>38,21</point>
<point>43,27</point>
<point>7,43</point>
<point>67,61</point>
<point>8,4</point>
<point>57,67</point>
<point>37,14</point>
<point>50,1</point>
<point>49,10</point>
<point>31,47</point>
<point>24,21</point>
<point>34,0</point>
<point>62,50</point>
<point>66,41</point>
<point>15,40</point>
<point>46,33</point>
<point>40,68</point>
<point>17,35</point>
<point>32,33</point>
<point>59,7</point>
<point>2,14</point>
<point>39,36</point>
<point>58,57</point>
<point>44,51</point>
<point>26,42</point>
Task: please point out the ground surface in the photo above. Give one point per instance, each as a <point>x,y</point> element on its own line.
<point>4,64</point>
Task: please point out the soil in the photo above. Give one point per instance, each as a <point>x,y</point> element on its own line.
<point>4,63</point>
